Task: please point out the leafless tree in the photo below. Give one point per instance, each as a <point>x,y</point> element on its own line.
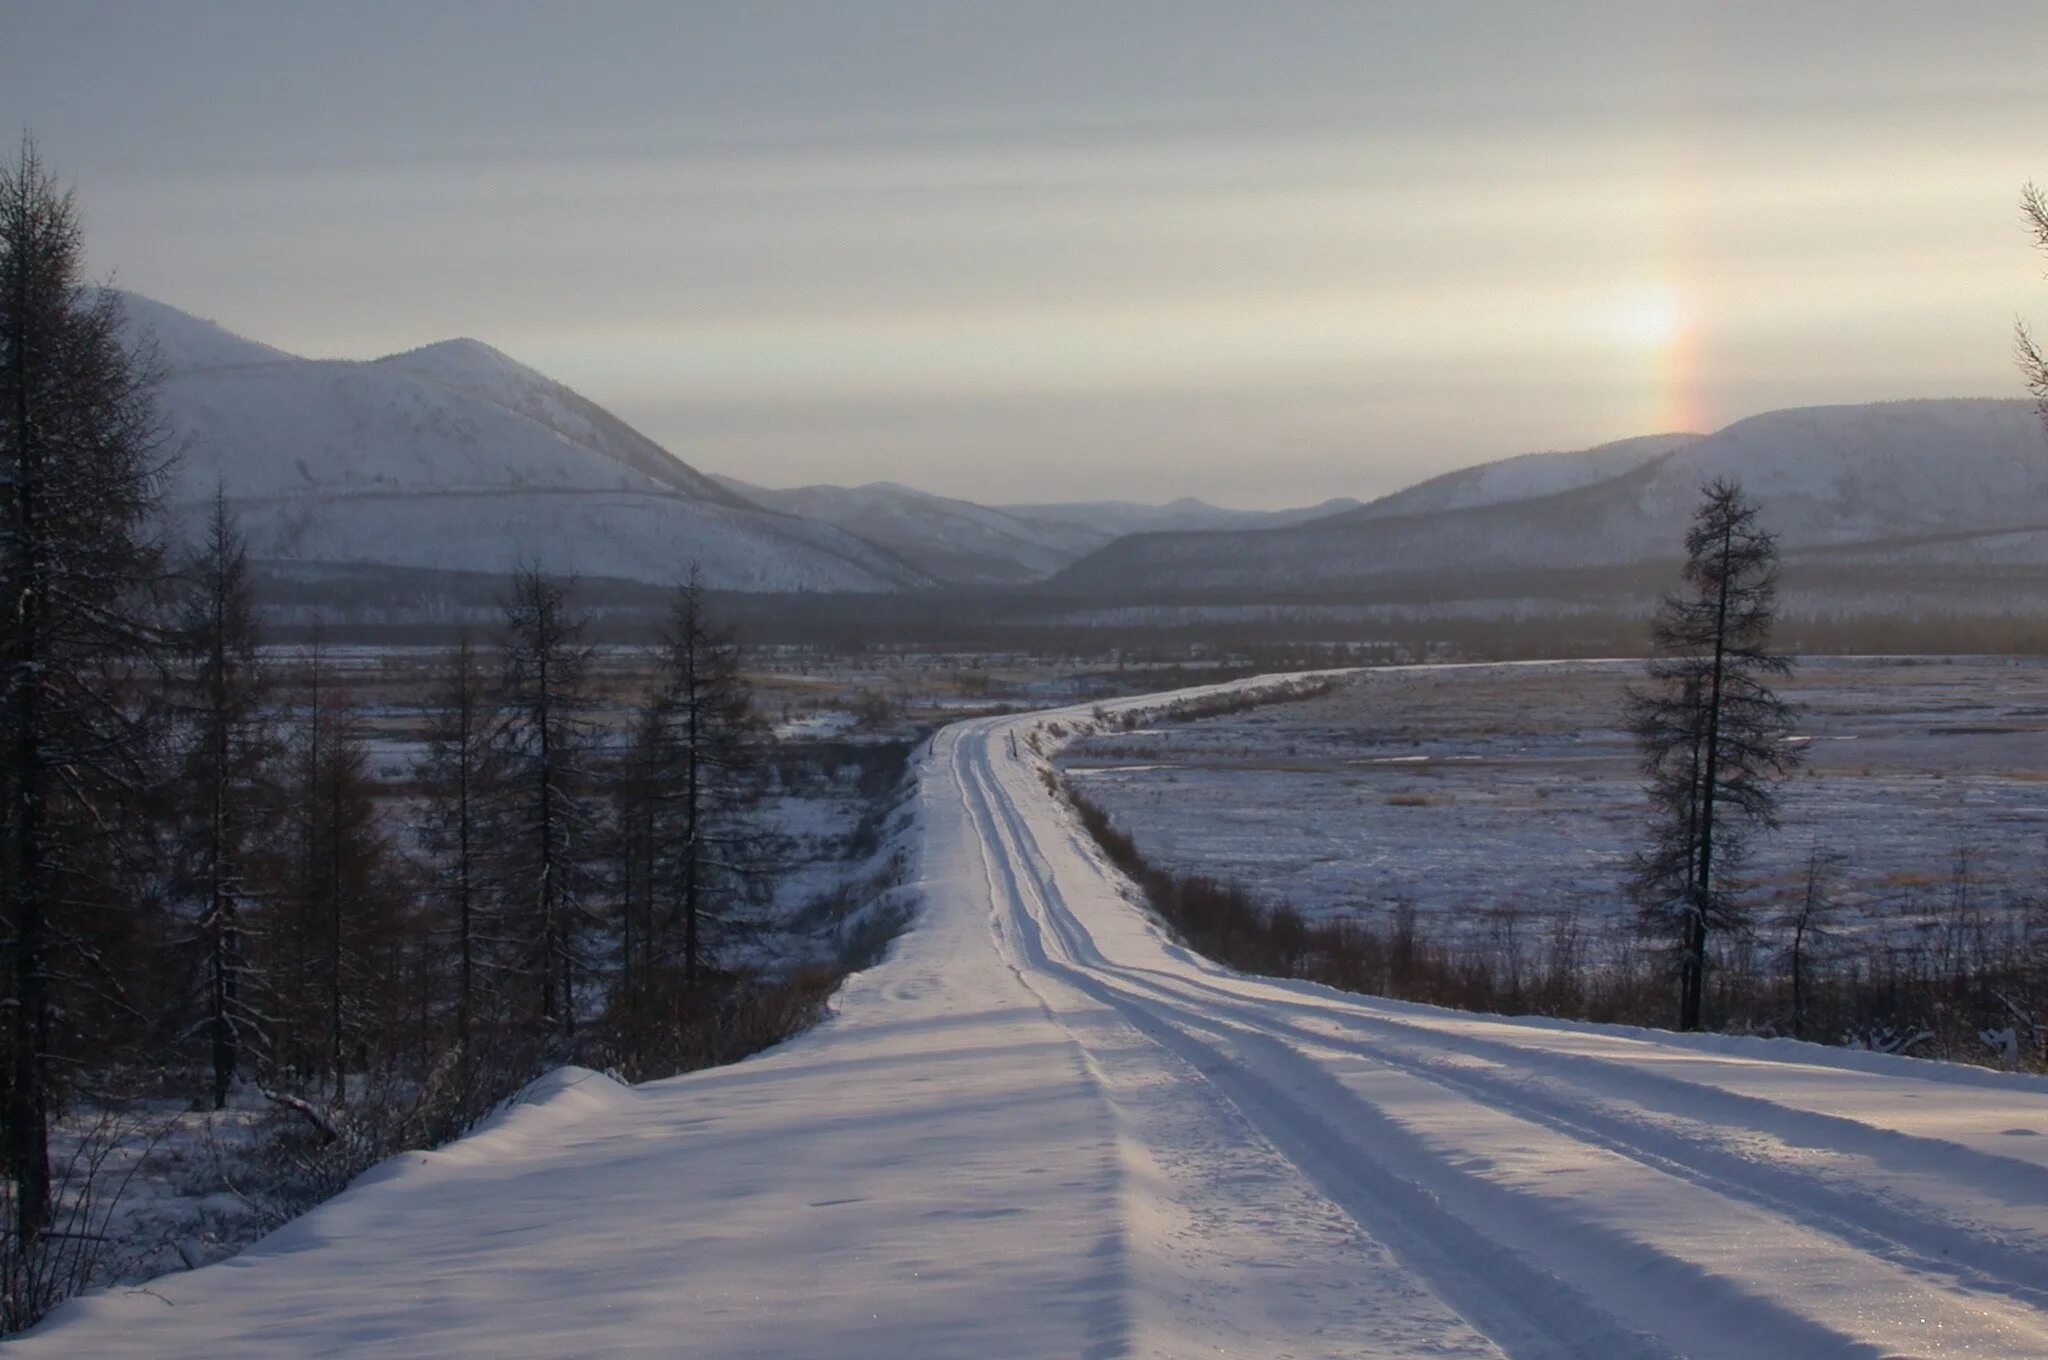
<point>549,844</point>
<point>221,785</point>
<point>2034,209</point>
<point>457,779</point>
<point>1810,922</point>
<point>700,770</point>
<point>81,463</point>
<point>1711,731</point>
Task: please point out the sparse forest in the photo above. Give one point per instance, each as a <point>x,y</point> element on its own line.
<point>353,966</point>
<point>210,894</point>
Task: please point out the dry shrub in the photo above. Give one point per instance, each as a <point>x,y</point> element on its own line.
<point>1961,980</point>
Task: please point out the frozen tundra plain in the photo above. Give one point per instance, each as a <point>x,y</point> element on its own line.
<point>1042,1129</point>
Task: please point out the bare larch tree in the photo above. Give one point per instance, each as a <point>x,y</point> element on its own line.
<point>222,783</point>
<point>702,772</point>
<point>457,780</point>
<point>549,845</point>
<point>1711,731</point>
<point>81,464</point>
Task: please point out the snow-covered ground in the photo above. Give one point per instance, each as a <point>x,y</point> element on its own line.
<point>1043,1129</point>
<point>1465,789</point>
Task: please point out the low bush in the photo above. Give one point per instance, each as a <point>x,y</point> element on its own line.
<point>1953,979</point>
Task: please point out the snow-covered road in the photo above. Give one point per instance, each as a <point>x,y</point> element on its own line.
<point>1043,1129</point>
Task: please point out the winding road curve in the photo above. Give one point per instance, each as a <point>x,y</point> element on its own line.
<point>1044,1129</point>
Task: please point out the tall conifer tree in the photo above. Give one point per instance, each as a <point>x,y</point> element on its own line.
<point>1711,731</point>
<point>80,472</point>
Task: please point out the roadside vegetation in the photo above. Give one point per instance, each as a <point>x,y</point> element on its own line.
<point>1964,979</point>
<point>1958,970</point>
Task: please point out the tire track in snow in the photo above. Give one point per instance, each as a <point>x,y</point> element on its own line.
<point>1968,1256</point>
<point>1527,1313</point>
<point>1200,1029</point>
<point>1117,1335</point>
<point>2006,1178</point>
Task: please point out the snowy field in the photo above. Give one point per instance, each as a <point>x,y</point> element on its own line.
<point>1472,789</point>
<point>1042,1129</point>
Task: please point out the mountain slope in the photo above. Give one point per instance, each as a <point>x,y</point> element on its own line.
<point>1526,476</point>
<point>970,544</point>
<point>957,540</point>
<point>1113,519</point>
<point>953,540</point>
<point>472,367</point>
<point>1828,478</point>
<point>188,343</point>
<point>456,458</point>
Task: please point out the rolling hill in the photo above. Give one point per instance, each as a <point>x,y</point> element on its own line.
<point>965,543</point>
<point>1889,485</point>
<point>454,457</point>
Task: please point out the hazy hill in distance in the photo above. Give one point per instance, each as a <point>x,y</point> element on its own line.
<point>1894,485</point>
<point>965,543</point>
<point>1525,476</point>
<point>1107,520</point>
<point>454,457</point>
<point>954,540</point>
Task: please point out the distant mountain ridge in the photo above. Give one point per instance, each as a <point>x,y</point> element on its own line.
<point>1867,483</point>
<point>972,544</point>
<point>1114,519</point>
<point>455,457</point>
<point>1526,476</point>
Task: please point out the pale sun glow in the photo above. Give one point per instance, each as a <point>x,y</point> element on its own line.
<point>1652,317</point>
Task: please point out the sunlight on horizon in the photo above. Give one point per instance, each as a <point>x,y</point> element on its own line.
<point>797,270</point>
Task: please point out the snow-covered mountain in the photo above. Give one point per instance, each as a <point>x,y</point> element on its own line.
<point>969,544</point>
<point>1107,520</point>
<point>1526,476</point>
<point>472,367</point>
<point>953,540</point>
<point>1893,483</point>
<point>455,457</point>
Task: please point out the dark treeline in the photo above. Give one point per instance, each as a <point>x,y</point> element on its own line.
<point>1923,608</point>
<point>395,605</point>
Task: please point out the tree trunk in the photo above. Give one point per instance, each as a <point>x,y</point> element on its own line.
<point>1695,965</point>
<point>27,1105</point>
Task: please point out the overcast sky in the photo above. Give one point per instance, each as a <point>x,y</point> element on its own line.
<point>1263,253</point>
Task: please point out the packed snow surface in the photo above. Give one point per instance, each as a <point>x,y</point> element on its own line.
<point>1041,1128</point>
